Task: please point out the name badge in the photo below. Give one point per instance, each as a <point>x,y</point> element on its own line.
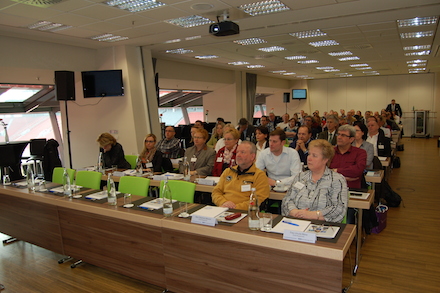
<point>219,159</point>
<point>299,236</point>
<point>201,220</point>
<point>299,185</point>
<point>245,187</point>
<point>193,160</point>
<point>381,146</point>
<point>149,165</point>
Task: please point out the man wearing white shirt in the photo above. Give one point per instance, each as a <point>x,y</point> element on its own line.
<point>282,163</point>
<point>285,122</point>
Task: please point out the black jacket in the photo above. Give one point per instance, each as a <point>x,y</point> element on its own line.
<point>51,158</point>
<point>383,145</point>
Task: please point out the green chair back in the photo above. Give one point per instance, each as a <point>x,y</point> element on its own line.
<point>134,185</point>
<point>180,190</point>
<point>57,175</point>
<point>132,160</point>
<point>89,179</point>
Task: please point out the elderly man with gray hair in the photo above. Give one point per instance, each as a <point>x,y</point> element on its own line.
<point>332,123</point>
<point>349,160</point>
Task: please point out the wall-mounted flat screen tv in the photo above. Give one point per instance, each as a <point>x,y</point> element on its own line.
<point>102,83</point>
<point>300,94</point>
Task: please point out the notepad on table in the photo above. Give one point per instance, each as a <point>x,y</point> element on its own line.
<point>154,204</point>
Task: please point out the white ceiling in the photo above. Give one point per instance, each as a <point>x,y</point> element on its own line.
<point>368,28</point>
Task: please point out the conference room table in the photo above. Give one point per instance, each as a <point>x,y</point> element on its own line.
<point>172,252</point>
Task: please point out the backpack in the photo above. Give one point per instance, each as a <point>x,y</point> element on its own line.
<point>392,198</point>
<point>396,162</point>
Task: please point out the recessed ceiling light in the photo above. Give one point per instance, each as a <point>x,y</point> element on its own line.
<point>298,57</point>
<point>278,71</point>
<point>109,38</point>
<point>263,7</point>
<point>310,61</point>
<point>415,35</point>
<point>325,67</point>
<point>331,70</point>
<point>189,21</point>
<point>419,47</point>
<point>255,66</point>
<point>416,61</point>
<point>135,5</point>
<point>340,53</point>
<point>359,65</point>
<point>349,58</point>
<point>179,51</point>
<point>326,43</point>
<point>308,34</point>
<point>238,63</point>
<point>416,64</point>
<point>419,53</point>
<point>363,68</point>
<point>45,25</point>
<point>272,49</point>
<point>417,21</point>
<point>289,73</point>
<point>250,41</point>
<point>416,70</point>
<point>206,57</point>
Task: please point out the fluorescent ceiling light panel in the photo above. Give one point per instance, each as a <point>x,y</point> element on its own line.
<point>363,68</point>
<point>298,57</point>
<point>189,21</point>
<point>331,70</point>
<point>359,65</point>
<point>255,66</point>
<point>417,61</point>
<point>289,73</point>
<point>326,43</point>
<point>109,38</point>
<point>272,49</point>
<point>45,25</point>
<point>250,41</point>
<point>135,5</point>
<point>278,71</point>
<point>417,21</point>
<point>179,51</point>
<point>325,67</point>
<point>349,58</point>
<point>172,41</point>
<point>238,63</point>
<point>416,35</point>
<point>416,64</point>
<point>420,53</point>
<point>340,53</point>
<point>264,7</point>
<point>417,47</point>
<point>202,57</point>
<point>308,34</point>
<point>193,38</point>
<point>311,61</point>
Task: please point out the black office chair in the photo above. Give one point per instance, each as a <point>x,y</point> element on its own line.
<point>37,151</point>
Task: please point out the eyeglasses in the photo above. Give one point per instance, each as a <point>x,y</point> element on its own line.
<point>150,141</point>
<point>198,137</point>
<point>229,139</point>
<point>343,135</point>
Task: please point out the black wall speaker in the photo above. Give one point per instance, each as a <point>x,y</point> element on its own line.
<point>286,98</point>
<point>65,85</point>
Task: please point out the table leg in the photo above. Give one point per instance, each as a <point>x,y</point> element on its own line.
<point>358,241</point>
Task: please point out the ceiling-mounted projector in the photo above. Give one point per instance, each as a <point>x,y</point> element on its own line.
<point>224,28</point>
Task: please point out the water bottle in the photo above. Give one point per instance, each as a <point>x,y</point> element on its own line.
<point>67,187</point>
<point>167,200</point>
<point>111,191</point>
<point>30,180</point>
<point>186,170</point>
<point>139,170</point>
<point>101,167</point>
<point>254,219</point>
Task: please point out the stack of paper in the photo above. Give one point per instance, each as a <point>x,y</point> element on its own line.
<point>324,231</point>
<point>154,204</point>
<point>209,211</point>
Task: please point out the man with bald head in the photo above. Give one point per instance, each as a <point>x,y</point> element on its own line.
<point>169,146</point>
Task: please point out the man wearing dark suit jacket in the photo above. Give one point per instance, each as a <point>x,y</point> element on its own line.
<point>393,107</point>
<point>301,145</point>
<point>329,134</point>
<point>246,130</point>
<point>376,136</point>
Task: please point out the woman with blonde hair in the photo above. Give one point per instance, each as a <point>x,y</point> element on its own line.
<point>113,153</point>
<point>225,157</point>
<point>216,135</point>
<point>151,158</point>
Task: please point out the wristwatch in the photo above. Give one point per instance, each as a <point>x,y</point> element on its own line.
<point>277,182</point>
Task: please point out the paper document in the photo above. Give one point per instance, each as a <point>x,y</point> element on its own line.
<point>290,224</point>
<point>358,195</point>
<point>210,211</point>
<point>60,189</point>
<point>382,158</point>
<point>99,195</point>
<point>24,183</point>
<point>154,204</point>
<point>213,178</point>
<point>323,231</point>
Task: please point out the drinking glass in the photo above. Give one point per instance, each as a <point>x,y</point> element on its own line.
<point>6,180</point>
<point>183,207</point>
<point>265,222</point>
<point>127,201</point>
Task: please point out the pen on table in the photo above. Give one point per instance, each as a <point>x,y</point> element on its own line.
<point>290,223</point>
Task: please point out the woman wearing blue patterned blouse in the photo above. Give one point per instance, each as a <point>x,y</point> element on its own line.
<point>318,193</point>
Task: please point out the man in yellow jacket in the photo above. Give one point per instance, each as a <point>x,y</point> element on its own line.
<point>234,187</point>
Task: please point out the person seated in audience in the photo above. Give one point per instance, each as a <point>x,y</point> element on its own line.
<point>216,135</point>
<point>348,160</point>
<point>247,130</point>
<point>308,121</point>
<point>170,146</point>
<point>376,136</point>
<point>221,142</point>
<point>152,159</point>
<point>234,187</point>
<point>262,137</point>
<point>302,143</point>
<point>360,142</point>
<point>198,124</point>
<point>273,120</point>
<point>225,157</point>
<point>329,134</point>
<point>342,114</point>
<point>285,122</point>
<point>113,153</point>
<point>359,117</point>
<point>390,121</point>
<point>382,124</point>
<point>280,162</point>
<point>291,130</point>
<point>191,142</point>
<point>350,117</point>
<point>318,193</point>
<point>367,115</point>
<point>264,121</point>
<point>298,123</point>
<point>200,157</point>
<point>220,119</point>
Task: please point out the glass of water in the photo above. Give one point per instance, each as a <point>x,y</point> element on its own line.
<point>265,222</point>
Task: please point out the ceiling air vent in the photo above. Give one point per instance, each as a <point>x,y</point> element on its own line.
<point>39,3</point>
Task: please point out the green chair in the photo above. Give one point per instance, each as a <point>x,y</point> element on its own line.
<point>89,179</point>
<point>134,185</point>
<point>132,160</point>
<point>180,190</point>
<point>57,175</point>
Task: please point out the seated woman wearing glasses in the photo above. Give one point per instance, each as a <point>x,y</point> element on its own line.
<point>226,155</point>
<point>200,156</point>
<point>113,152</point>
<point>318,193</point>
<point>152,159</point>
